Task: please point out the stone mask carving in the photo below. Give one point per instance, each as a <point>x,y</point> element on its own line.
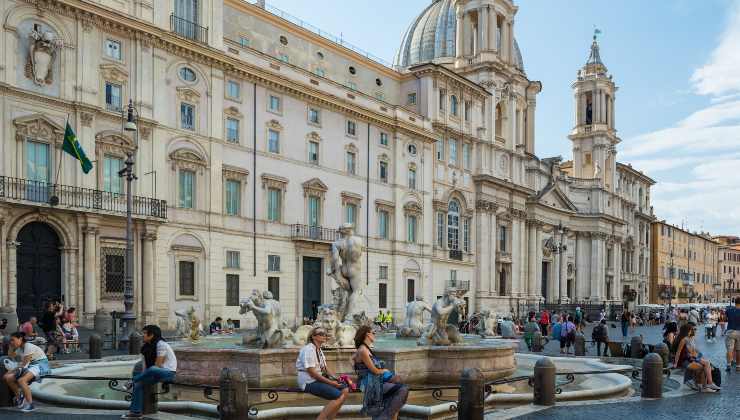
<point>41,56</point>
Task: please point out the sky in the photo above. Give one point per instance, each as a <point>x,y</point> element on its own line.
<point>676,63</point>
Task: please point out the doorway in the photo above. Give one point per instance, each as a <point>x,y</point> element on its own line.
<point>545,280</point>
<point>311,286</point>
<point>39,269</point>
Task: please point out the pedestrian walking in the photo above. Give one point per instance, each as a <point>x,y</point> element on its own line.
<point>732,339</point>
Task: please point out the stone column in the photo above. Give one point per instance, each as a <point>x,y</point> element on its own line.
<point>617,287</point>
<point>91,278</point>
<point>482,246</point>
<point>483,28</point>
<point>3,258</point>
<point>594,280</point>
<point>492,24</point>
<point>530,126</point>
<point>538,262</point>
<point>12,290</point>
<point>492,232</point>
<point>505,41</point>
<point>511,141</point>
<point>69,280</point>
<point>467,31</point>
<point>564,270</point>
<point>577,266</point>
<point>516,261</point>
<point>603,107</point>
<point>148,278</point>
<point>532,261</point>
<point>459,33</point>
<point>522,280</point>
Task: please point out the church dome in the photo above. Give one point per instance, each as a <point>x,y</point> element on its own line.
<point>431,38</point>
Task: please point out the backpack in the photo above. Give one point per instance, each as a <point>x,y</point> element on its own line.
<point>598,333</point>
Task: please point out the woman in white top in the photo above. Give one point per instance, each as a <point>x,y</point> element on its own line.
<point>32,367</point>
<point>160,365</point>
<point>314,376</point>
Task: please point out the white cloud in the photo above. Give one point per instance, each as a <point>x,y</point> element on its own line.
<point>720,76</point>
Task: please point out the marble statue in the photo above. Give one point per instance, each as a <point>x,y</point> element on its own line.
<point>440,332</point>
<point>188,324</point>
<point>270,331</point>
<point>487,325</point>
<point>345,268</point>
<point>42,52</point>
<point>413,325</point>
<point>597,171</point>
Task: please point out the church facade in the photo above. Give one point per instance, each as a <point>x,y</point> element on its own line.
<point>257,136</point>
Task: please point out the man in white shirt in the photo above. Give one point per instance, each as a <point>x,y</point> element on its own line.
<point>160,365</point>
<point>33,366</point>
<point>314,376</point>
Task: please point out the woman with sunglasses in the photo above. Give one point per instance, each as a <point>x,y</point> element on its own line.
<point>688,354</point>
<point>384,394</point>
<point>315,378</point>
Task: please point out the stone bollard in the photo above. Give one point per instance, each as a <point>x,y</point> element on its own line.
<point>544,382</point>
<point>665,354</point>
<point>6,395</point>
<point>96,346</point>
<point>233,395</point>
<point>652,376</point>
<point>134,343</point>
<point>472,394</point>
<point>536,342</point>
<point>150,391</point>
<point>636,347</point>
<point>579,345</point>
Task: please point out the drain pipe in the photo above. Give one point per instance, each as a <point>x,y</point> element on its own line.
<point>254,181</point>
<point>367,212</point>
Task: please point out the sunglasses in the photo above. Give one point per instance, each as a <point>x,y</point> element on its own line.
<point>320,334</point>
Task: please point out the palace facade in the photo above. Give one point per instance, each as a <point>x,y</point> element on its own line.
<point>257,136</point>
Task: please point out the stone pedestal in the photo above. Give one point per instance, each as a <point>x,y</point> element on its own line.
<point>103,323</point>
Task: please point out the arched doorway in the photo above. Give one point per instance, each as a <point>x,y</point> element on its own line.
<point>39,269</point>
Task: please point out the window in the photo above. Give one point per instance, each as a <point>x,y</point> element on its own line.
<point>383,218</point>
<point>380,96</point>
<point>273,141</point>
<point>113,97</point>
<point>499,121</point>
<point>466,156</point>
<point>187,189</point>
<point>502,238</point>
<point>232,130</point>
<point>232,290</point>
<point>187,116</point>
<point>383,171</point>
<point>384,139</point>
<point>411,98</point>
<point>233,89</point>
<point>113,49</point>
<point>273,285</point>
<point>468,107</point>
<point>187,74</point>
<point>440,229</point>
<point>351,162</point>
<point>283,40</point>
<point>352,70</point>
<point>320,72</point>
<point>352,85</point>
<point>412,149</point>
<point>453,151</point>
<point>314,211</point>
<point>38,168</point>
<point>412,178</point>
<point>411,229</point>
<point>351,128</point>
<point>466,234</point>
<point>274,205</point>
<point>440,149</point>
<point>453,105</point>
<point>232,259</point>
<point>274,104</point>
<point>114,261</point>
<point>186,278</point>
<point>314,116</point>
<point>284,58</point>
<point>244,41</point>
<point>350,214</point>
<point>320,55</point>
<point>111,181</point>
<point>273,263</point>
<point>442,99</point>
<point>453,225</point>
<point>382,295</point>
<point>233,197</point>
<point>383,272</point>
<point>313,152</point>
<point>410,292</point>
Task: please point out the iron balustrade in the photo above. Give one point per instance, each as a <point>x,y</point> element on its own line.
<point>188,29</point>
<point>458,284</point>
<point>314,233</point>
<point>43,193</point>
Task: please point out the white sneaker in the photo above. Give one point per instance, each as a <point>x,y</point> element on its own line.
<point>706,388</point>
<point>714,387</point>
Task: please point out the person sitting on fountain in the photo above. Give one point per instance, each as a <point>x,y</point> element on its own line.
<point>315,378</point>
<point>230,326</point>
<point>384,392</point>
<point>160,365</point>
<point>32,367</point>
<point>216,327</point>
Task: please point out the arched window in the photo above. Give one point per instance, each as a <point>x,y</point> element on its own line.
<point>453,104</point>
<point>499,121</point>
<point>453,225</point>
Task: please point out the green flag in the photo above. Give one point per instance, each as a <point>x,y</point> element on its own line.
<point>72,146</point>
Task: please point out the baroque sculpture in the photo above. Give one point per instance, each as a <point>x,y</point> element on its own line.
<point>440,332</point>
<point>345,268</point>
<point>487,325</point>
<point>413,325</point>
<point>188,324</point>
<point>270,331</point>
<point>42,53</point>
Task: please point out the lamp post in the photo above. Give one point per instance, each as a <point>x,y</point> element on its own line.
<point>128,318</point>
<point>559,248</point>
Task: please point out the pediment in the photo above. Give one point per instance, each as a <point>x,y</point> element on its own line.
<point>38,126</point>
<point>412,207</point>
<point>114,73</point>
<point>187,156</point>
<point>188,94</point>
<point>315,184</point>
<point>552,196</point>
<point>115,139</point>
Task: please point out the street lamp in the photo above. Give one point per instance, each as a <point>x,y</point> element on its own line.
<point>128,318</point>
<point>559,248</point>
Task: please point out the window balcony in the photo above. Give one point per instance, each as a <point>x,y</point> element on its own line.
<point>456,254</point>
<point>42,194</point>
<point>188,29</point>
<point>313,233</point>
<point>460,285</point>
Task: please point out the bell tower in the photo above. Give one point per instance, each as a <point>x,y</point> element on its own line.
<point>594,136</point>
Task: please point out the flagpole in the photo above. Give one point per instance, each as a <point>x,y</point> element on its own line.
<point>59,162</point>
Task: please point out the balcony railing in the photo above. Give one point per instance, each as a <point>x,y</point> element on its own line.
<point>188,29</point>
<point>458,284</point>
<point>55,195</point>
<point>313,233</point>
<point>456,254</point>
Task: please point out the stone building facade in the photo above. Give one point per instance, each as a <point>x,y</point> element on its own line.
<point>728,255</point>
<point>684,266</point>
<point>257,137</point>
